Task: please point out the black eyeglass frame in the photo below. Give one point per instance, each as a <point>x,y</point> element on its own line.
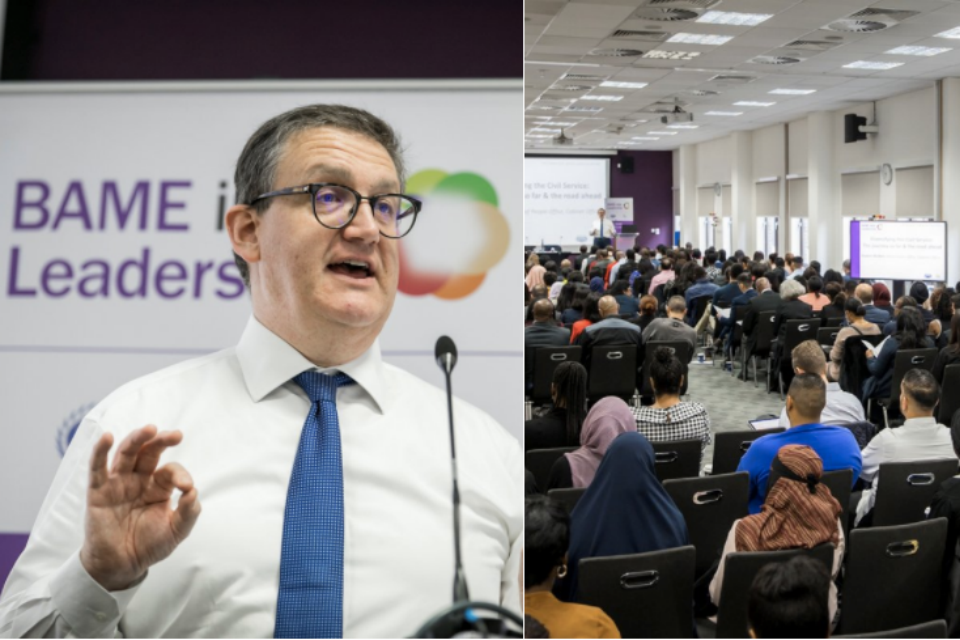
<point>314,188</point>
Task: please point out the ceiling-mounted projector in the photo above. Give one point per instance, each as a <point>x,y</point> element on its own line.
<point>677,115</point>
<point>562,139</point>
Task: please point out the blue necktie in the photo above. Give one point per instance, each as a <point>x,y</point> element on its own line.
<point>310,603</point>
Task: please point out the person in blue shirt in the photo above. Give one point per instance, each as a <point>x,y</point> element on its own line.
<point>702,286</point>
<point>836,446</point>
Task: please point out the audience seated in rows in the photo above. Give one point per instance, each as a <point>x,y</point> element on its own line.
<point>644,519</point>
<point>790,600</point>
<point>560,426</point>
<point>871,312</point>
<point>890,327</point>
<point>702,287</point>
<point>815,296</point>
<point>766,300</point>
<point>672,328</point>
<point>547,537</point>
<point>857,326</point>
<point>628,303</point>
<point>648,312</point>
<point>841,407</point>
<point>609,331</point>
<point>572,310</point>
<point>882,298</point>
<point>909,335</point>
<point>606,420</point>
<point>834,308</point>
<point>665,275</point>
<point>590,314</point>
<point>950,354</point>
<point>919,438</point>
<point>836,446</point>
<point>799,513</point>
<point>668,418</point>
<point>544,332</point>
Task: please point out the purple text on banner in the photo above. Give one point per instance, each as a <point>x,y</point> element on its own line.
<point>855,249</point>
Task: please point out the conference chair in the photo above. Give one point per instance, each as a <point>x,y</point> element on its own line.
<point>709,506</point>
<point>840,484</point>
<point>736,334</point>
<point>546,361</point>
<point>862,431</point>
<point>699,305</point>
<point>648,595</point>
<point>826,337</point>
<point>797,331</point>
<point>612,372</point>
<point>677,459</point>
<point>832,322</point>
<point>680,348</point>
<point>932,629</point>
<point>853,364</point>
<point>740,569</point>
<point>729,447</point>
<point>904,490</point>
<point>892,577</point>
<point>904,360</point>
<point>762,340</point>
<point>540,461</point>
<point>949,401</point>
<point>568,497</point>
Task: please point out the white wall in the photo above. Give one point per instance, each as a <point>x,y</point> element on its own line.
<point>907,139</point>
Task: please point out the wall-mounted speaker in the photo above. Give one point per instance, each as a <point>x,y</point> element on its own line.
<point>625,164</point>
<point>851,128</point>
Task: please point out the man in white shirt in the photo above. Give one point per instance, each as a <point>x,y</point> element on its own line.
<point>919,438</point>
<point>602,230</point>
<point>315,240</point>
<point>842,407</point>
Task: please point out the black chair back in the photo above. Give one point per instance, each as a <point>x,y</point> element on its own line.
<point>709,506</point>
<point>540,461</point>
<point>681,349</point>
<point>949,402</point>
<point>862,431</point>
<point>892,576</point>
<point>738,574</point>
<point>568,497</point>
<point>853,363</point>
<point>729,447</point>
<point>905,489</point>
<point>648,595</point>
<point>904,360</point>
<point>545,362</point>
<point>798,331</point>
<point>932,629</point>
<point>763,334</point>
<point>700,307</point>
<point>832,322</point>
<point>677,459</point>
<point>826,336</point>
<point>612,372</point>
<point>840,484</point>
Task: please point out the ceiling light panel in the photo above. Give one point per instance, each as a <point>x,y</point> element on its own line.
<point>699,38</point>
<point>644,138</point>
<point>683,126</point>
<point>953,34</point>
<point>918,51</point>
<point>723,113</point>
<point>875,66</point>
<point>657,54</point>
<point>751,103</point>
<point>601,98</point>
<point>734,18</point>
<point>792,92</point>
<point>623,85</point>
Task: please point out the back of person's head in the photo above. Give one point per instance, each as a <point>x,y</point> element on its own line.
<point>591,307</point>
<point>854,307</point>
<point>758,256</point>
<point>543,310</point>
<point>791,290</point>
<point>919,292</point>
<point>810,272</point>
<point>834,291</point>
<point>619,287</point>
<point>550,265</point>
<point>941,305</point>
<point>762,284</point>
<point>583,249</point>
<point>910,329</point>
<point>576,276</point>
<point>865,293</point>
<point>744,280</point>
<point>832,276</point>
<point>722,255</point>
<point>903,301</point>
<point>846,265</point>
<point>631,254</point>
<point>549,278</point>
<point>666,372</point>
<point>709,258</point>
<point>758,270</point>
<point>790,600</point>
<point>797,262</point>
<point>648,305</point>
<point>773,277</point>
<point>921,390</point>
<point>808,395</point>
<point>570,392</point>
<point>677,305</point>
<point>608,306</point>
<point>695,254</point>
<point>666,264</point>
<point>815,265</point>
<point>808,357</point>
<point>580,297</point>
<point>699,273</point>
<point>780,263</point>
<point>533,259</point>
<point>661,249</point>
<point>772,258</point>
<point>539,291</point>
<point>546,538</point>
<point>735,271</point>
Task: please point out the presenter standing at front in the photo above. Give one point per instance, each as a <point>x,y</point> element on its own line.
<point>323,471</point>
<point>603,230</point>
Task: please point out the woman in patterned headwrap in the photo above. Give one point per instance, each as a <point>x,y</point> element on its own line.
<point>799,513</point>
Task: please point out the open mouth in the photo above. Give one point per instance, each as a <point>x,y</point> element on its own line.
<point>356,269</point>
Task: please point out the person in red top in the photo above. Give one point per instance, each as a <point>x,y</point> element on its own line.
<point>591,314</point>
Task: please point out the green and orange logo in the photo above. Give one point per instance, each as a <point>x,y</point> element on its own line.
<point>460,235</point>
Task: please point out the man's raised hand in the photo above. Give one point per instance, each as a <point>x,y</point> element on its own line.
<point>129,523</point>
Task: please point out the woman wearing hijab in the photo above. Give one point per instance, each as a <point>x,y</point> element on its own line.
<point>882,298</point>
<point>625,510</point>
<point>606,420</point>
<point>798,513</point>
<point>596,284</point>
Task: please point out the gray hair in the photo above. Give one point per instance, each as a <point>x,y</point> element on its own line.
<point>257,165</point>
<point>677,304</point>
<point>791,290</point>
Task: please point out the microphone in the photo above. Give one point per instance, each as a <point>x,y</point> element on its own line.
<point>446,355</point>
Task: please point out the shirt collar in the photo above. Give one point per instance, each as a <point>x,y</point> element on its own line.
<point>267,362</point>
<point>919,423</point>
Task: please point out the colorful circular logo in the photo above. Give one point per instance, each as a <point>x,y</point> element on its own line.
<point>460,235</point>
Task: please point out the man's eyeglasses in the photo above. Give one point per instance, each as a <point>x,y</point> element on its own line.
<point>335,206</point>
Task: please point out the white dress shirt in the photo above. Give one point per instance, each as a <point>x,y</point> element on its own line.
<point>841,408</point>
<point>241,416</point>
<point>608,229</point>
<point>916,439</point>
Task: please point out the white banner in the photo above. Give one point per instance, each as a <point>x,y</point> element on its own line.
<point>113,263</point>
<point>619,210</point>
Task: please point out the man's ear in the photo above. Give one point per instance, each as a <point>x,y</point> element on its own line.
<point>243,223</point>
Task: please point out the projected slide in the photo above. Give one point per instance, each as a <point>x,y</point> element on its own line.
<point>561,197</point>
<point>889,250</point>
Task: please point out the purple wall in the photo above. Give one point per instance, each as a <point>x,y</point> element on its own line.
<point>11,544</point>
<point>650,185</point>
